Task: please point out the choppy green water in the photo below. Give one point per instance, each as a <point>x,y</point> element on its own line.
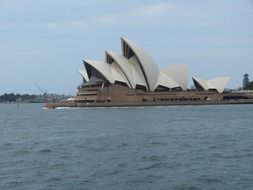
<point>192,147</point>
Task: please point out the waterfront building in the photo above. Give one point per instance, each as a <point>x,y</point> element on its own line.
<point>131,78</point>
<point>245,80</point>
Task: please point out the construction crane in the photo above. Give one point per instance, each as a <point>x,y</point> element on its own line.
<point>44,93</point>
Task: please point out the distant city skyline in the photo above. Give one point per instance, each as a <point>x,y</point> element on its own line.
<point>43,43</point>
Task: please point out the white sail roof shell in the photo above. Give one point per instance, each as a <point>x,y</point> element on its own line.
<point>166,81</point>
<point>118,74</point>
<point>124,64</point>
<point>218,83</point>
<point>201,82</point>
<point>129,68</point>
<point>139,78</point>
<point>84,74</point>
<point>150,70</point>
<point>109,71</point>
<point>179,73</point>
<point>101,67</point>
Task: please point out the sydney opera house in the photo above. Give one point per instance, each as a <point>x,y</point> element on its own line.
<point>133,79</point>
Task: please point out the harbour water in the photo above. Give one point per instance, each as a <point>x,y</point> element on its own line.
<point>190,147</point>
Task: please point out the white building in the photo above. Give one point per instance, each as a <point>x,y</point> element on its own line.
<point>136,69</point>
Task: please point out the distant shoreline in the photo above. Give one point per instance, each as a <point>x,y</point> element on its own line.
<point>31,98</point>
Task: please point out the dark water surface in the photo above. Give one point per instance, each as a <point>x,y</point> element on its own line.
<point>192,147</point>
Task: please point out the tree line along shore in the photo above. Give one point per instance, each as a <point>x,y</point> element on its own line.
<point>30,98</point>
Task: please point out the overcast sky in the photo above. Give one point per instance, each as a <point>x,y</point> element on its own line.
<point>43,42</point>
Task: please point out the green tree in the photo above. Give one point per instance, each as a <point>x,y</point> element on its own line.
<point>249,86</point>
